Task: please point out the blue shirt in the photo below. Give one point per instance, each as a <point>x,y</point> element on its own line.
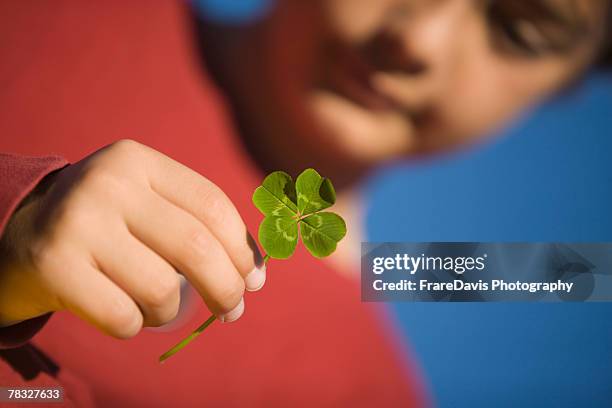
<point>548,178</point>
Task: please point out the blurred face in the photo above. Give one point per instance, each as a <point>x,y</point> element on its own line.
<point>436,74</point>
<point>345,84</point>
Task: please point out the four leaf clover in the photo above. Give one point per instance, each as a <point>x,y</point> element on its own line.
<point>291,209</point>
<point>294,209</point>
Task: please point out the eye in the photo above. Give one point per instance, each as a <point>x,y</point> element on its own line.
<point>516,34</point>
<point>533,28</point>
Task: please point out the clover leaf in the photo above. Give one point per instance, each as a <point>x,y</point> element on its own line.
<point>291,210</point>
<point>276,195</point>
<point>295,209</point>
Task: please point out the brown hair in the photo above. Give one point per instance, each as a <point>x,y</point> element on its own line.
<point>605,59</point>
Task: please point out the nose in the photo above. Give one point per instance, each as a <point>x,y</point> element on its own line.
<point>418,49</point>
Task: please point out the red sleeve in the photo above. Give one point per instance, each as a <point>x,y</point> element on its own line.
<point>18,176</point>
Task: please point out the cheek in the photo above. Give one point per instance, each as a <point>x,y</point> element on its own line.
<point>484,97</point>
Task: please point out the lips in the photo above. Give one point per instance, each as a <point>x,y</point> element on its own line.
<point>348,74</point>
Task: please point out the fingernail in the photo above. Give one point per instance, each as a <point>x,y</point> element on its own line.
<point>257,258</point>
<point>234,314</point>
<point>255,279</point>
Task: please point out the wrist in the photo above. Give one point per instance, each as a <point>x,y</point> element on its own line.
<point>21,297</point>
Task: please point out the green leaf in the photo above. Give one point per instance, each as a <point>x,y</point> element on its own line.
<point>321,232</point>
<point>314,193</point>
<point>278,236</point>
<point>276,196</point>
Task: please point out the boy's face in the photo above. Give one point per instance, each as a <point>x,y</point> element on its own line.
<point>445,71</point>
<point>372,80</point>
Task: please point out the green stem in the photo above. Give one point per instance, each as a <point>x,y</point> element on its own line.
<point>195,333</point>
<point>187,339</point>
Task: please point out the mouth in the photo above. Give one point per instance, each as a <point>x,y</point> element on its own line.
<point>367,125</point>
<point>349,75</point>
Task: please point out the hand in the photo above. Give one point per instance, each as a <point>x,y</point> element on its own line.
<point>106,238</point>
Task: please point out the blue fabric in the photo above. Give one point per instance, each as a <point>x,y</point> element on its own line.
<point>549,178</point>
<point>232,11</point>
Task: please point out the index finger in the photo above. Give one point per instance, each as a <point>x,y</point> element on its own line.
<point>199,196</point>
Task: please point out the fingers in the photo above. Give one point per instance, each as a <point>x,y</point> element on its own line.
<point>149,279</point>
<point>87,292</point>
<point>115,229</point>
<point>191,248</point>
<point>205,201</point>
<point>167,218</point>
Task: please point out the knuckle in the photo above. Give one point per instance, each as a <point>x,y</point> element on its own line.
<point>104,181</point>
<point>165,293</point>
<point>126,154</point>
<point>122,160</point>
<point>162,316</point>
<point>197,246</point>
<point>126,146</point>
<point>122,321</point>
<point>215,201</point>
<point>168,315</point>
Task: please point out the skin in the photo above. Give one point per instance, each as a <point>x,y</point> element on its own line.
<point>464,86</point>
<point>376,80</point>
<point>371,80</point>
<point>163,218</point>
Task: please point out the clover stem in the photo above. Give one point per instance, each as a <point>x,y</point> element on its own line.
<point>187,339</point>
<point>180,345</point>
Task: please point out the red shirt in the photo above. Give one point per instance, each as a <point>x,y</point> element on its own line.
<point>76,76</point>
